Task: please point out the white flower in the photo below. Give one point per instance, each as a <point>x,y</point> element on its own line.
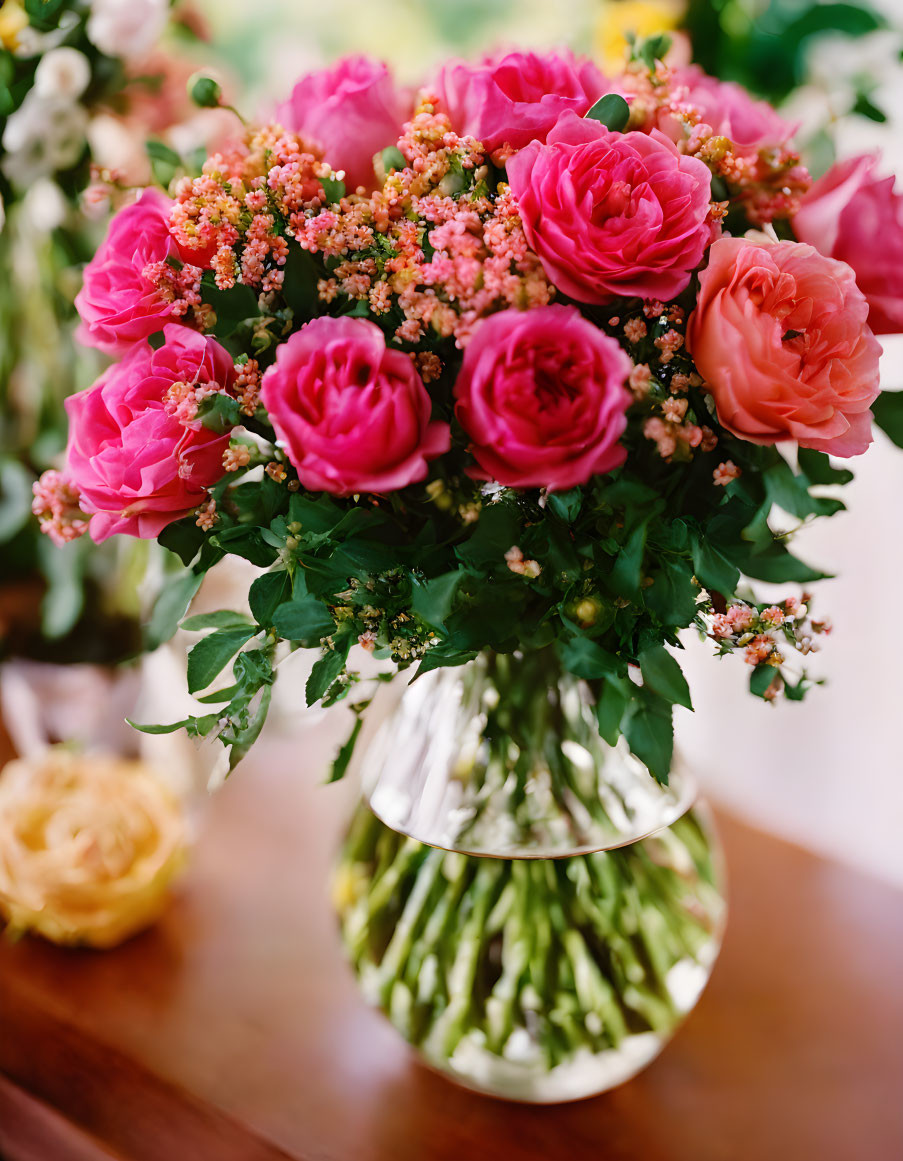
<point>45,205</point>
<point>127,28</point>
<point>64,72</point>
<point>44,135</point>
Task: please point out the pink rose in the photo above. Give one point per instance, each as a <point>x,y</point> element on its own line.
<point>137,465</point>
<point>541,394</point>
<point>613,214</point>
<point>351,110</point>
<point>854,216</point>
<point>516,98</point>
<point>117,304</point>
<point>729,110</point>
<point>779,332</point>
<point>353,415</point>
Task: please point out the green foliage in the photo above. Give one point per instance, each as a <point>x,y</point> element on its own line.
<point>888,412</point>
<point>211,654</point>
<point>663,675</point>
<point>612,111</point>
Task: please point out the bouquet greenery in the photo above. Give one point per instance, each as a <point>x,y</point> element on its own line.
<point>533,360</point>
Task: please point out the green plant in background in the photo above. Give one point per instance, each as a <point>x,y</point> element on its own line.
<point>764,44</point>
<point>76,81</point>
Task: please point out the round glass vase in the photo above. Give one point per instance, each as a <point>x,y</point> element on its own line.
<point>503,757</point>
<point>531,909</point>
<point>537,980</point>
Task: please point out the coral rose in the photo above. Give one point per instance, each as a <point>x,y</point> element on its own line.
<point>613,214</point>
<point>354,416</point>
<point>854,216</point>
<point>117,304</point>
<point>89,846</point>
<point>515,98</point>
<point>351,110</point>
<point>779,332</point>
<point>137,464</point>
<point>541,394</point>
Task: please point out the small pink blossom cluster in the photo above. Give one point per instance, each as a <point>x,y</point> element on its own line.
<point>445,258</point>
<point>56,505</point>
<point>755,630</point>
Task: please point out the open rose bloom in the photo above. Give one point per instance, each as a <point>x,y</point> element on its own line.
<point>487,364</point>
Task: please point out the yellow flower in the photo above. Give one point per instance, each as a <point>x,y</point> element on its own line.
<point>642,17</point>
<point>89,846</point>
<point>12,20</point>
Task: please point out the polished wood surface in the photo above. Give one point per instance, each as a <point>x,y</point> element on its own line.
<point>234,1031</point>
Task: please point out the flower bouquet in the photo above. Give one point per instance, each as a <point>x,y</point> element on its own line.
<point>507,381</point>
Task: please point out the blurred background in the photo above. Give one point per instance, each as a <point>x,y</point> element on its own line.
<point>827,773</point>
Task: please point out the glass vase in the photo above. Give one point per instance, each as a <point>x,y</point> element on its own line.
<point>503,757</point>
<point>539,980</point>
<point>531,909</point>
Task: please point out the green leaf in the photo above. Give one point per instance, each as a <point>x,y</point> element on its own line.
<point>267,593</point>
<point>305,620</point>
<point>443,656</point>
<point>612,111</point>
<point>156,729</point>
<point>432,601</point>
<point>672,595</point>
<point>585,658</point>
<point>333,189</point>
<point>888,412</point>
<point>232,307</point>
<point>247,543</point>
<point>170,607</point>
<point>614,697</point>
<point>220,695</point>
<point>780,567</point>
<point>650,734</point>
<point>326,670</point>
<point>301,274</point>
<point>791,493</point>
<point>392,158</point>
<point>663,675</point>
<point>761,678</point>
<point>653,48</point>
<point>64,568</point>
<point>495,532</point>
<point>566,505</point>
<point>712,568</point>
<point>345,754</point>
<point>184,538</point>
<point>221,619</point>
<point>219,413</point>
<point>210,656</point>
<point>818,469</point>
<point>15,497</point>
<point>245,739</point>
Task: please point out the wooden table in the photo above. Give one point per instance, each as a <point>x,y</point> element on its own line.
<point>234,1030</point>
